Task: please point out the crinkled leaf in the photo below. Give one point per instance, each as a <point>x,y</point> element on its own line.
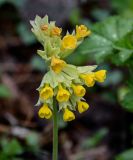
<point>125,55</point>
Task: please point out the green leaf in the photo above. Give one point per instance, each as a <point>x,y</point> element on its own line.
<point>100,14</point>
<point>11,149</point>
<point>126,155</point>
<point>127,101</point>
<point>95,139</point>
<point>125,55</point>
<point>4,91</point>
<point>32,141</point>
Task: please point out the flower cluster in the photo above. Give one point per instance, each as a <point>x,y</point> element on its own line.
<point>64,82</point>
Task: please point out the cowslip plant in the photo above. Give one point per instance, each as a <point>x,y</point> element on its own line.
<point>62,87</point>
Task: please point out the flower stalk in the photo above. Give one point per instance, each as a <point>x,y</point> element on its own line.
<point>55,130</point>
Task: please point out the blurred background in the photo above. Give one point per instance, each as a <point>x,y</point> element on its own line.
<point>104,132</point>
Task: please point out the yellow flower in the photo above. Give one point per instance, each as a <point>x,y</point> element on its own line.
<point>69,42</point>
<point>89,79</point>
<point>46,92</point>
<point>68,115</point>
<point>57,64</point>
<point>82,31</point>
<point>79,90</point>
<point>62,95</point>
<point>82,106</point>
<point>56,31</point>
<point>45,112</point>
<point>100,76</point>
<point>44,27</point>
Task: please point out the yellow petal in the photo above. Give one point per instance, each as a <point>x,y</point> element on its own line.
<point>79,90</point>
<point>45,112</point>
<point>68,115</point>
<point>46,92</point>
<point>57,64</point>
<point>62,95</point>
<point>100,76</point>
<point>82,106</point>
<point>89,79</point>
<point>69,42</point>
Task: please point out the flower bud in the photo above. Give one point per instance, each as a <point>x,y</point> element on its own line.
<point>82,31</point>
<point>56,31</point>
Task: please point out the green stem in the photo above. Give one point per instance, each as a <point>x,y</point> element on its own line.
<point>55,131</point>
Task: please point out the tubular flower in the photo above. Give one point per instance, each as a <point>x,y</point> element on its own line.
<point>79,90</point>
<point>62,95</point>
<point>45,112</point>
<point>56,31</point>
<point>100,76</point>
<point>68,115</point>
<point>82,31</point>
<point>46,92</point>
<point>82,106</point>
<point>89,79</point>
<point>69,42</point>
<point>57,64</point>
<point>44,27</point>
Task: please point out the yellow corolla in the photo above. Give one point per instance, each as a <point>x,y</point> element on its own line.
<point>46,92</point>
<point>69,42</point>
<point>57,64</point>
<point>45,112</point>
<point>68,115</point>
<point>78,90</point>
<point>89,79</point>
<point>62,95</point>
<point>100,76</point>
<point>56,31</point>
<point>82,31</point>
<point>82,106</point>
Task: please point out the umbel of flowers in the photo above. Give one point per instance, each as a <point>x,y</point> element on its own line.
<point>63,81</point>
